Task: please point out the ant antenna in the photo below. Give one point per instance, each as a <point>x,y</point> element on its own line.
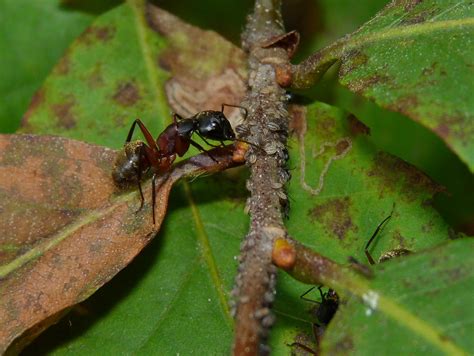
<point>236,106</point>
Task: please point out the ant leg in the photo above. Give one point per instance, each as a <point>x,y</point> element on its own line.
<point>323,297</point>
<point>302,296</point>
<point>381,225</point>
<point>210,144</point>
<point>143,153</point>
<point>153,196</point>
<point>148,137</point>
<point>235,106</point>
<point>200,148</point>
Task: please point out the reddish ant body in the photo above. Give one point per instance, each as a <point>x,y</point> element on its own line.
<point>138,157</point>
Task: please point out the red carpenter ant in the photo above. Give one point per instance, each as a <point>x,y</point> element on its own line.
<point>138,157</point>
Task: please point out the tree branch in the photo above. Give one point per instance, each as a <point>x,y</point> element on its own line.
<point>267,127</point>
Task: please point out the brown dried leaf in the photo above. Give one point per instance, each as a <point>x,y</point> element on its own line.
<point>206,69</point>
<point>66,229</point>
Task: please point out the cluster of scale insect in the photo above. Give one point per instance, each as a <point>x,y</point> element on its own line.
<point>275,127</point>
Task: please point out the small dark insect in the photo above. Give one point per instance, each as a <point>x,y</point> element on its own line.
<point>323,314</point>
<point>138,157</point>
<point>327,306</point>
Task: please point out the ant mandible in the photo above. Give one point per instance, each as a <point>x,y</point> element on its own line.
<point>138,157</point>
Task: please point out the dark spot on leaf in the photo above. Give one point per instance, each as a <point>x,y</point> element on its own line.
<point>443,131</point>
<point>121,120</point>
<point>126,94</point>
<point>297,120</point>
<point>62,68</point>
<point>97,33</point>
<point>394,172</point>
<point>418,17</point>
<point>405,105</point>
<point>326,126</point>
<point>401,241</point>
<point>36,101</point>
<point>363,84</point>
<point>343,345</point>
<point>64,114</point>
<point>430,70</point>
<point>357,127</point>
<point>353,60</point>
<point>105,33</point>
<point>452,275</point>
<point>342,146</point>
<point>409,5</point>
<point>456,126</point>
<point>95,79</point>
<point>335,216</point>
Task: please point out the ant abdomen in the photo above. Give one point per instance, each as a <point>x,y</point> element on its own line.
<point>129,165</point>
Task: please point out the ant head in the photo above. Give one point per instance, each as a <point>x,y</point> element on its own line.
<point>215,126</point>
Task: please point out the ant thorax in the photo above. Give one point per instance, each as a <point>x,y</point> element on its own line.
<point>186,127</point>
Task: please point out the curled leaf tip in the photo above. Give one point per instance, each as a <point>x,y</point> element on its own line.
<point>288,41</point>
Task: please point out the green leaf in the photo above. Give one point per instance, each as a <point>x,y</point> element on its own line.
<point>358,191</point>
<point>403,321</point>
<point>30,51</point>
<point>343,187</point>
<point>416,58</point>
<point>106,78</point>
<point>420,146</point>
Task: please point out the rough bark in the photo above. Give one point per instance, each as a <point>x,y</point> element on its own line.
<point>266,127</point>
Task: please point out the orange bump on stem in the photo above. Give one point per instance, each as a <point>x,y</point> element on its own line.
<point>283,254</point>
<point>284,75</point>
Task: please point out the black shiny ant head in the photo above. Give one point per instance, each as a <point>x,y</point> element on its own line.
<point>129,165</point>
<point>214,125</point>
